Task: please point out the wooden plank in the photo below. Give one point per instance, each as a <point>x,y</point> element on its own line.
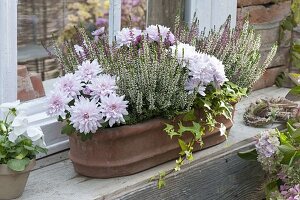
<point>164,12</point>
<point>222,175</point>
<point>8,50</point>
<point>114,18</point>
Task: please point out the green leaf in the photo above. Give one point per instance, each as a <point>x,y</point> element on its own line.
<point>190,116</point>
<point>68,129</point>
<point>183,145</point>
<point>290,128</point>
<point>29,148</point>
<point>170,131</point>
<point>288,152</point>
<point>248,155</point>
<point>271,187</point>
<point>18,165</point>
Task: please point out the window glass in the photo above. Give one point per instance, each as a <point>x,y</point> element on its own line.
<point>39,21</point>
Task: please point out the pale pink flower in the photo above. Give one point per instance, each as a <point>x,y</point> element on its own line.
<point>154,33</point>
<point>57,103</point>
<point>127,36</point>
<point>85,115</point>
<point>69,85</point>
<point>113,109</point>
<point>103,85</point>
<point>88,70</point>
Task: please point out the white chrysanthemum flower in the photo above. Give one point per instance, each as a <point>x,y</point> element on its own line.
<point>57,103</point>
<point>88,70</point>
<point>153,33</point>
<point>113,108</point>
<point>185,52</point>
<point>85,115</point>
<point>208,69</point>
<point>103,85</point>
<point>69,85</point>
<point>127,36</point>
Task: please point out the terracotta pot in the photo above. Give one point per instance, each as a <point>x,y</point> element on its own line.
<point>12,183</point>
<point>129,149</point>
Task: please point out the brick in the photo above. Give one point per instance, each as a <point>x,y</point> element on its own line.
<point>268,78</point>
<point>265,14</point>
<point>37,84</point>
<point>25,88</point>
<point>279,59</point>
<point>243,3</point>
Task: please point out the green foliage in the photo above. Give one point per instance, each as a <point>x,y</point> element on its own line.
<point>288,24</point>
<point>248,155</point>
<point>16,154</point>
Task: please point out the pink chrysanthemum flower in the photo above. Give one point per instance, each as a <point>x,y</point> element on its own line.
<point>103,85</point>
<point>85,115</point>
<point>57,103</point>
<point>127,36</point>
<point>88,70</point>
<point>113,109</point>
<point>153,33</point>
<point>207,68</point>
<point>69,85</point>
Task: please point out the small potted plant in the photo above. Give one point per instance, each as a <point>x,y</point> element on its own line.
<point>118,101</point>
<point>19,145</point>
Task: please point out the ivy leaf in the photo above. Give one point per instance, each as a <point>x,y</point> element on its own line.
<point>290,128</point>
<point>295,7</point>
<point>288,153</point>
<point>248,155</point>
<point>68,129</point>
<point>196,130</point>
<point>18,164</point>
<point>271,187</point>
<point>170,131</point>
<point>183,145</point>
<point>189,116</point>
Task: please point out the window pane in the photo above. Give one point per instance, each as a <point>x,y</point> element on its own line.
<point>134,13</point>
<point>39,21</point>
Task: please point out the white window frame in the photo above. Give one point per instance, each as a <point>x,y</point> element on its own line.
<point>210,12</point>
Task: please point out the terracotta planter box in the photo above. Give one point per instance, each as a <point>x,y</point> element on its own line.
<point>129,149</point>
<point>12,183</point>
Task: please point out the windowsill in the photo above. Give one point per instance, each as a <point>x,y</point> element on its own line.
<point>60,181</point>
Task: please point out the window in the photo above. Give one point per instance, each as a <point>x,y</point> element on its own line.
<point>30,31</point>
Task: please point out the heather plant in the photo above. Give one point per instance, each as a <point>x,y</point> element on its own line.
<point>278,152</point>
<point>237,48</point>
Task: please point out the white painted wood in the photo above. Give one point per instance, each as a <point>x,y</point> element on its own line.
<point>211,13</point>
<point>8,50</point>
<point>114,18</point>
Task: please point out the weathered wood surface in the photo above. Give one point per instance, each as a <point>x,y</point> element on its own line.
<point>220,176</point>
<point>164,11</point>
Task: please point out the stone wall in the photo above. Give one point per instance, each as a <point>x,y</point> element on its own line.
<point>265,16</point>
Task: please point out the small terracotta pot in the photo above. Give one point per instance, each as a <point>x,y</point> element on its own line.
<point>129,149</point>
<point>12,184</point>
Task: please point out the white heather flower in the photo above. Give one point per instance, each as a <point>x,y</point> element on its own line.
<point>207,68</point>
<point>98,32</point>
<point>127,36</point>
<point>88,70</point>
<point>57,103</point>
<point>267,144</point>
<point>185,52</point>
<point>154,33</point>
<point>103,85</point>
<point>79,50</point>
<point>113,108</point>
<point>69,85</point>
<point>85,115</point>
